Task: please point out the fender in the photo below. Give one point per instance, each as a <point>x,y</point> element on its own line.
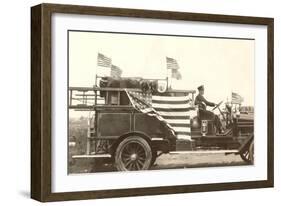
<point>246,144</point>
<point>122,137</point>
<point>163,144</point>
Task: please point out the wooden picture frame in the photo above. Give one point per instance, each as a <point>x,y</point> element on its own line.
<point>41,98</point>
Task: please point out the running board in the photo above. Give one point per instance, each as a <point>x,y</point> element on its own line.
<point>91,156</point>
<point>205,152</point>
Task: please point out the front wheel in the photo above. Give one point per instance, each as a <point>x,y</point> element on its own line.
<point>133,153</point>
<point>248,154</point>
<point>153,159</point>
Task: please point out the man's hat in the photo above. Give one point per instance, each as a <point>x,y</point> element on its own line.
<point>200,87</point>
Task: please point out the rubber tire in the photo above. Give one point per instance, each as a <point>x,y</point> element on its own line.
<point>154,157</point>
<point>141,141</point>
<point>251,154</point>
<point>251,149</point>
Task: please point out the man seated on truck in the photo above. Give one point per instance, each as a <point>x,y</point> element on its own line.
<point>203,112</point>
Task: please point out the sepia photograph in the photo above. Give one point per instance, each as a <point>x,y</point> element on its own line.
<point>129,102</point>
<point>132,102</point>
<point>155,101</point>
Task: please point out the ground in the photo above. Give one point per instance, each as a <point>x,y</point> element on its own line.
<point>166,161</point>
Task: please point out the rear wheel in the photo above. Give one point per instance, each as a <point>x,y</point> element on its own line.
<point>248,154</point>
<point>133,153</point>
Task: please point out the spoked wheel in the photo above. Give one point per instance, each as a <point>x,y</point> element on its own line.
<point>248,154</point>
<point>153,159</point>
<point>133,153</point>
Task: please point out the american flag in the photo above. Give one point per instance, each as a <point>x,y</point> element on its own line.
<point>176,74</point>
<point>173,65</point>
<point>174,112</point>
<point>104,61</point>
<point>115,72</point>
<point>236,98</point>
<point>144,107</point>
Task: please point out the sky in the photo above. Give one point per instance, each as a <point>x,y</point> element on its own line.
<point>221,65</point>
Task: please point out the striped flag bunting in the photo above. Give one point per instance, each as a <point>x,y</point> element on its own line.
<point>104,61</point>
<point>174,112</point>
<point>115,72</point>
<point>145,108</point>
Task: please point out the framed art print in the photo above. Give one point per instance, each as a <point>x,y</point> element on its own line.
<point>130,102</point>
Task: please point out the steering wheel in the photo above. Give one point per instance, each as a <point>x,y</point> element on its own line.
<point>219,104</point>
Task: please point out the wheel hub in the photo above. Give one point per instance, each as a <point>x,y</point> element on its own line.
<point>134,157</point>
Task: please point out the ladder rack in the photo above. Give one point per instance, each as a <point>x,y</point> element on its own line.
<point>85,98</point>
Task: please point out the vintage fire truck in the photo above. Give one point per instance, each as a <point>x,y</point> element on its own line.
<point>125,129</point>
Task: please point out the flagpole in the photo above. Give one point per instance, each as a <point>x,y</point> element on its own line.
<point>96,72</point>
<point>171,79</point>
<point>168,79</point>
<point>97,75</point>
<point>231,98</point>
<point>167,76</point>
<point>96,80</point>
<point>169,83</point>
<point>99,69</point>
